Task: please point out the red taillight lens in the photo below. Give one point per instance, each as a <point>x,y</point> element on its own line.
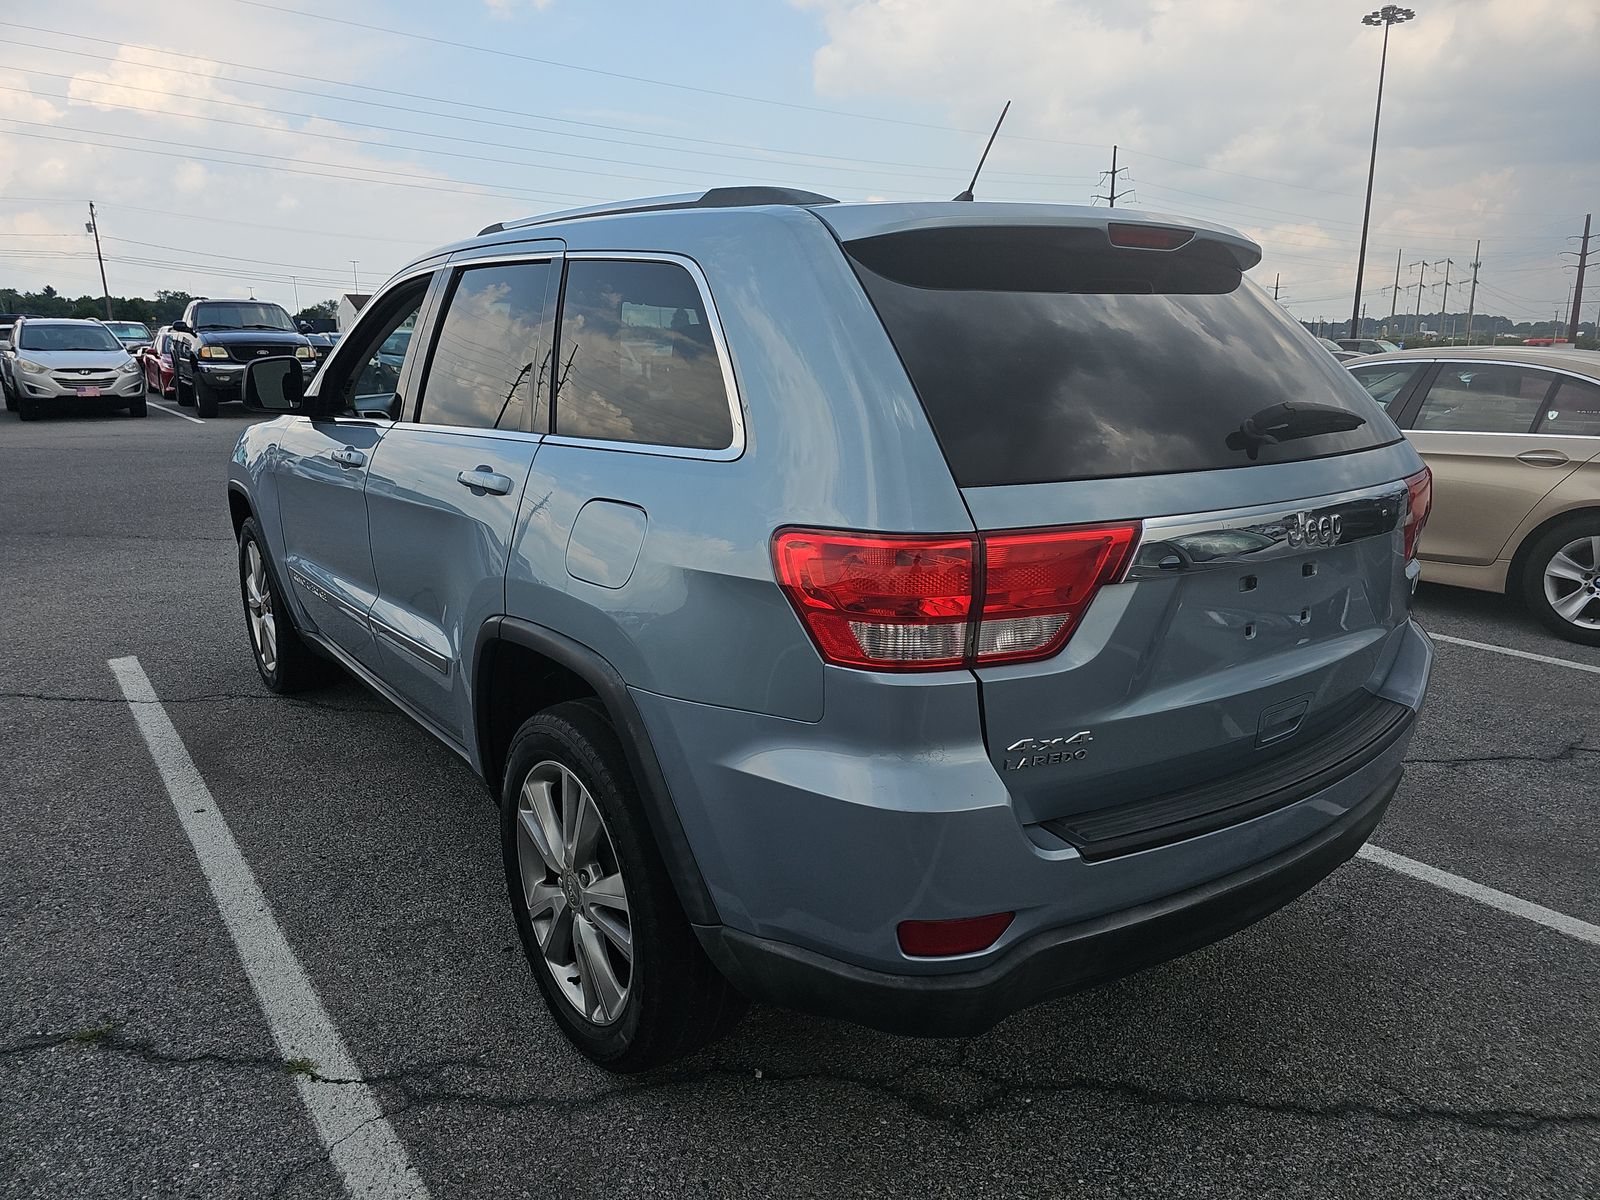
<point>1037,585</point>
<point>879,601</point>
<point>1148,237</point>
<point>940,939</point>
<point>909,603</point>
<point>1419,505</point>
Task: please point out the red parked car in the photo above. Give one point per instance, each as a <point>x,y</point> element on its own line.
<point>157,360</point>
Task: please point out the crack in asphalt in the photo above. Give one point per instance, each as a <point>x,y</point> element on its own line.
<point>1568,753</point>
<point>206,698</point>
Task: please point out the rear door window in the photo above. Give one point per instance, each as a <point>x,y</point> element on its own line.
<point>1385,381</point>
<point>638,361</point>
<point>1042,354</point>
<point>1573,409</point>
<point>1484,398</point>
<point>489,368</point>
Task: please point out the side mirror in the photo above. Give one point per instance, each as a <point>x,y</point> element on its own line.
<point>275,384</point>
<point>181,327</point>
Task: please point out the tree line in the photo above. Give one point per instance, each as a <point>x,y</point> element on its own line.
<point>164,309</point>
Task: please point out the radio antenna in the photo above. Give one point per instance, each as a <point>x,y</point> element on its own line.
<point>967,195</point>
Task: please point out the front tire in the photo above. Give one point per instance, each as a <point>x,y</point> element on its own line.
<point>205,398</point>
<point>610,948</point>
<point>138,408</point>
<point>184,396</point>
<point>1561,579</point>
<point>286,663</point>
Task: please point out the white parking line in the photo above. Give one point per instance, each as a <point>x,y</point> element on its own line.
<point>172,412</point>
<point>1544,658</point>
<point>361,1143</point>
<point>1504,901</point>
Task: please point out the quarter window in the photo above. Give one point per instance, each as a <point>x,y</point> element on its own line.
<point>1572,410</point>
<point>489,369</point>
<point>1484,398</point>
<point>1385,381</point>
<point>637,359</point>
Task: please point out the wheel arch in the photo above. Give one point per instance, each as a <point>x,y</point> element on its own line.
<point>509,652</point>
<point>239,507</point>
<point>1519,558</point>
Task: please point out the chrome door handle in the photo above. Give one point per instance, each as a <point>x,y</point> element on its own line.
<point>1543,458</point>
<point>482,479</point>
<point>348,456</point>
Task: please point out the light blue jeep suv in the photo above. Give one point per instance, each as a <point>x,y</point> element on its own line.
<point>902,612</point>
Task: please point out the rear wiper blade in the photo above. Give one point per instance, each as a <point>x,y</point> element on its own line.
<point>1288,422</point>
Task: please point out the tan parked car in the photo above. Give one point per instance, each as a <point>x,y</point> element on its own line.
<point>1513,437</point>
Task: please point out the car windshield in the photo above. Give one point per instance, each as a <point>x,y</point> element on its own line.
<point>242,314</point>
<point>88,336</point>
<point>129,329</point>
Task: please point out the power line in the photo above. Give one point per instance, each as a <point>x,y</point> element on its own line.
<point>763,156</point>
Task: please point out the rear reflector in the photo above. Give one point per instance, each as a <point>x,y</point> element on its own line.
<point>900,603</point>
<point>941,939</point>
<point>1419,506</point>
<point>1148,237</point>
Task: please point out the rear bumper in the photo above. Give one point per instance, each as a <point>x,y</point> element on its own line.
<point>1051,963</point>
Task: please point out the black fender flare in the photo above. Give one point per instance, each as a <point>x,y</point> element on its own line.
<point>593,668</point>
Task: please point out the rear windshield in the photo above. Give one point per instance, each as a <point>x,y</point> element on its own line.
<point>1042,354</point>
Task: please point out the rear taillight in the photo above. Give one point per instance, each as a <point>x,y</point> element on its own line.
<point>941,939</point>
<point>1419,504</point>
<point>895,603</point>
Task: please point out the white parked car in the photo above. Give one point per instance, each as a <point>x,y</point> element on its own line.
<point>56,363</point>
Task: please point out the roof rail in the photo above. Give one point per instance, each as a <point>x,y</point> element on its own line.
<point>719,197</point>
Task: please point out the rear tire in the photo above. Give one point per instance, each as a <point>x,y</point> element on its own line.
<point>286,663</point>
<point>566,770</point>
<point>1561,579</point>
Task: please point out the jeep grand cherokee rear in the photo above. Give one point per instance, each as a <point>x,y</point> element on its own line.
<point>911,611</point>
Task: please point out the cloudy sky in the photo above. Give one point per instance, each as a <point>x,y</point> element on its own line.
<point>241,144</point>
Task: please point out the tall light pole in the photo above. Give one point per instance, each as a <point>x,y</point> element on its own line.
<point>1386,16</point>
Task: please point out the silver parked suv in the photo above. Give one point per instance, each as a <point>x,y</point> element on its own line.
<point>903,612</point>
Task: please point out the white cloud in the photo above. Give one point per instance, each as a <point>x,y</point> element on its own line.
<point>1480,135</point>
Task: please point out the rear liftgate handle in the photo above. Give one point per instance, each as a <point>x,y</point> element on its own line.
<point>483,479</point>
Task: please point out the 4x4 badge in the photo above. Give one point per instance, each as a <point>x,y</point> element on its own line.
<point>1044,752</point>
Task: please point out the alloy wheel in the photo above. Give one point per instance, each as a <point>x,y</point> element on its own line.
<point>573,891</point>
<point>258,604</point>
<point>1572,582</point>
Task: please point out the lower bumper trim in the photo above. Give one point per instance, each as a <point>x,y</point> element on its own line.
<point>1049,964</point>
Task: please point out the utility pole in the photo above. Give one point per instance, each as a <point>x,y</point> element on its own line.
<point>1395,298</point>
<point>94,228</point>
<point>1577,291</point>
<point>1387,16</point>
<point>1422,274</point>
<point>1472,297</point>
<point>1444,302</point>
<point>296,282</point>
<point>1111,200</point>
<point>354,278</point>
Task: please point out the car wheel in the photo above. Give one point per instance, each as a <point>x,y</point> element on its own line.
<point>287,664</point>
<point>11,400</point>
<point>1561,579</point>
<point>205,398</point>
<point>182,394</point>
<point>611,950</point>
<point>138,408</point>
<point>25,409</point>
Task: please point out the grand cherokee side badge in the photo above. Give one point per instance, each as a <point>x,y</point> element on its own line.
<point>1046,752</point>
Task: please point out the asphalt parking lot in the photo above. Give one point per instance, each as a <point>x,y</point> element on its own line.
<point>1382,1036</point>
